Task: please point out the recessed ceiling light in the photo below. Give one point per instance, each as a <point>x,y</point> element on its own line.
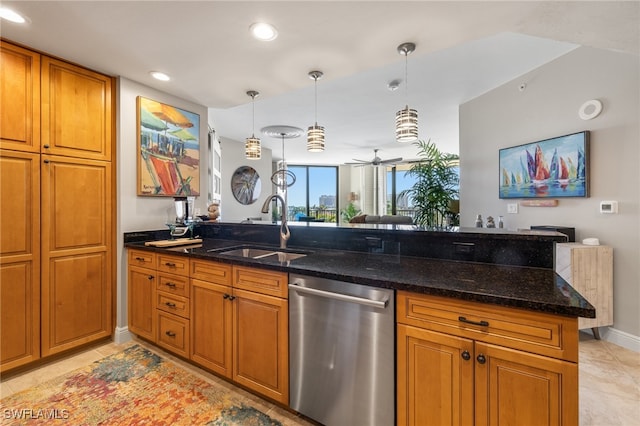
<point>160,76</point>
<point>263,31</point>
<point>12,16</point>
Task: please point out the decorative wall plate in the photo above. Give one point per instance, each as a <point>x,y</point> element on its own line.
<point>246,185</point>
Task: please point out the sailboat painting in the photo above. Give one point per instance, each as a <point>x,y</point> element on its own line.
<point>550,168</point>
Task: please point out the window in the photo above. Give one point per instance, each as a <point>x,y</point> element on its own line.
<point>398,181</point>
<point>314,196</point>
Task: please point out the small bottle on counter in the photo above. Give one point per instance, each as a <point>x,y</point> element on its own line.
<point>479,221</point>
<point>490,222</point>
<point>500,222</point>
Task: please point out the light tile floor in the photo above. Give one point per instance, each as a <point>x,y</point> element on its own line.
<point>609,382</point>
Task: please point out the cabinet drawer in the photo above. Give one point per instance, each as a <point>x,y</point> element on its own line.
<point>261,281</point>
<point>173,264</point>
<point>535,332</point>
<point>173,284</point>
<point>173,333</point>
<point>143,259</point>
<point>173,304</point>
<point>213,272</point>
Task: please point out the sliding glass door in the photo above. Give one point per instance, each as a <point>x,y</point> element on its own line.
<point>314,196</point>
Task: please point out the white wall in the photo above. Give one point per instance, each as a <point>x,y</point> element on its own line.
<point>548,107</point>
<point>143,213</point>
<point>232,158</point>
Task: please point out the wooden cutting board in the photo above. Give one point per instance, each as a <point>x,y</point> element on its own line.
<point>173,243</point>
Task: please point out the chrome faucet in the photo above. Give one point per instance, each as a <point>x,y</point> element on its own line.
<point>284,229</point>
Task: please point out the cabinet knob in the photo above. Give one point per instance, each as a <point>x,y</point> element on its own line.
<point>170,333</point>
<point>226,296</point>
<point>232,297</point>
<point>466,356</point>
<point>481,359</point>
<point>150,277</point>
<point>46,161</point>
<point>46,146</point>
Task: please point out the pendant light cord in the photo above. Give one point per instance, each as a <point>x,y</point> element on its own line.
<point>253,115</point>
<point>316,99</point>
<point>406,77</point>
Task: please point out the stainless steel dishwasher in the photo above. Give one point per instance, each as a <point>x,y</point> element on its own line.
<point>342,352</point>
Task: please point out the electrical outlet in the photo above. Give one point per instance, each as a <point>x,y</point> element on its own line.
<point>512,208</point>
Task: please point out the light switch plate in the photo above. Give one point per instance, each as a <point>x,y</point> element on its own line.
<point>512,208</point>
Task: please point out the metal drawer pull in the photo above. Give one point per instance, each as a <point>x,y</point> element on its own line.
<point>172,285</point>
<point>140,259</point>
<point>170,333</point>
<point>151,277</point>
<point>170,264</point>
<point>171,305</point>
<point>339,296</point>
<point>480,323</point>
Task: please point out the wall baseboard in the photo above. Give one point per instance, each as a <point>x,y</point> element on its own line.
<point>618,337</point>
<point>122,335</point>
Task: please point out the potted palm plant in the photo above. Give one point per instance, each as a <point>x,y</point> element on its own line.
<point>436,185</point>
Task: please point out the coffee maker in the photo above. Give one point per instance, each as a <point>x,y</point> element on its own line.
<point>184,214</point>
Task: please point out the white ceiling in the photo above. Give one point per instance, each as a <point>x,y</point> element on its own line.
<point>463,49</point>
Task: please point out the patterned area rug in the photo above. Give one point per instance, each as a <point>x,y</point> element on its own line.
<point>133,387</point>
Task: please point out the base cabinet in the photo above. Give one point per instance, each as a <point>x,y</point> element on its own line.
<point>479,373</point>
<point>239,333</point>
<point>141,293</point>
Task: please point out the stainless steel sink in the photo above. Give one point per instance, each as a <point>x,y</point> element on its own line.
<point>262,253</point>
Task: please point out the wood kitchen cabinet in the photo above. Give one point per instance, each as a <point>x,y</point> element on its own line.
<point>211,316</point>
<point>76,111</point>
<point>239,328</point>
<point>19,258</point>
<point>466,363</point>
<point>173,304</point>
<point>141,293</point>
<point>19,98</point>
<point>58,224</point>
<point>77,270</point>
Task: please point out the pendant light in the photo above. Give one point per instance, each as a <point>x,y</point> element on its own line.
<point>252,149</point>
<point>407,118</point>
<point>315,133</point>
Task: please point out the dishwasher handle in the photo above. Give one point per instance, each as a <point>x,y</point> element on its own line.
<point>340,296</point>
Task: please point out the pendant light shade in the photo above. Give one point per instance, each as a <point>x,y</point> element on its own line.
<point>407,118</point>
<point>252,148</point>
<point>315,133</point>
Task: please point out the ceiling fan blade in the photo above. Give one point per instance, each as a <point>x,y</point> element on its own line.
<point>392,160</point>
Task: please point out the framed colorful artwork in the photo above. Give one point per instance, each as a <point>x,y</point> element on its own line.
<point>168,150</point>
<point>550,168</point>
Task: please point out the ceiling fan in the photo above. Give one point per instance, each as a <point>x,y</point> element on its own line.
<point>376,161</point>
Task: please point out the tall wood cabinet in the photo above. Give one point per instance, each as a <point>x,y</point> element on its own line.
<point>589,269</point>
<point>57,205</point>
<point>464,363</point>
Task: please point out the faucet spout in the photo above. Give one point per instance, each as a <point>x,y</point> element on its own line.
<point>284,229</point>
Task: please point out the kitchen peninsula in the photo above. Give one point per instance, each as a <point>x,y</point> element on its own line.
<point>479,309</point>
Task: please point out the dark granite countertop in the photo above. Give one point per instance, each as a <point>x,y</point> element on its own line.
<point>536,289</point>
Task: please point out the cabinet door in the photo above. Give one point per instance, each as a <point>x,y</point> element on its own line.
<point>514,387</point>
<point>76,111</point>
<point>19,98</point>
<point>19,258</point>
<point>211,326</point>
<point>261,344</point>
<point>141,302</point>
<point>76,252</point>
<point>435,378</point>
